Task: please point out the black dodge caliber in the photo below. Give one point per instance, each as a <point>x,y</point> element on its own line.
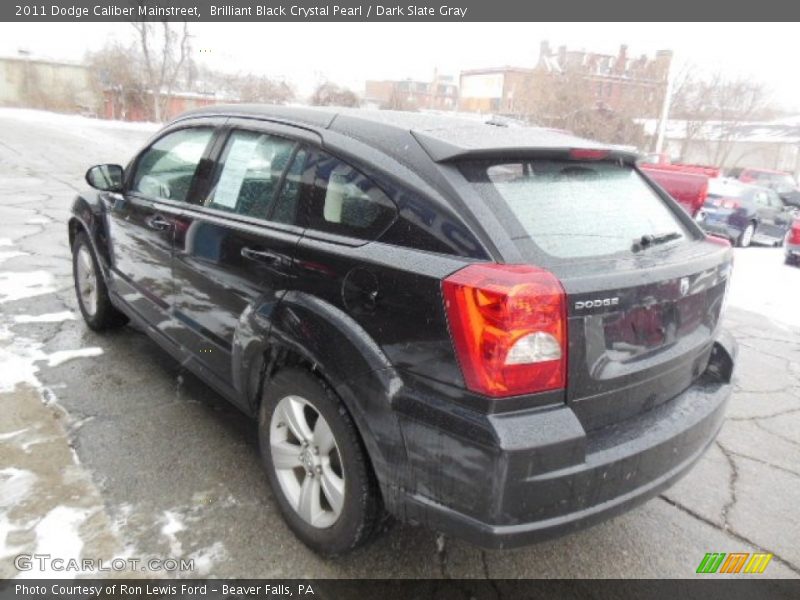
<point>502,333</point>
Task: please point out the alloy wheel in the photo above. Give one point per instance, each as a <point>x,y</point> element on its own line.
<point>86,281</point>
<point>307,461</point>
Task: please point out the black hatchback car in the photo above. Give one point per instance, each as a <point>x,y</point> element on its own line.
<point>502,333</point>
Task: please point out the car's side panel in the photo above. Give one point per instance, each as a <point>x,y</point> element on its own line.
<point>221,289</point>
<point>230,272</point>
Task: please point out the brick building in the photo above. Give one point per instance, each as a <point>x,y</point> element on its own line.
<point>492,90</point>
<point>440,93</point>
<point>118,108</point>
<point>619,82</point>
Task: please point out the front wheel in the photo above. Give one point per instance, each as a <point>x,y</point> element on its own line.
<point>316,464</point>
<point>90,287</point>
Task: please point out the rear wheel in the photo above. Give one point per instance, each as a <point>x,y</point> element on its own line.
<point>317,465</point>
<point>746,237</point>
<point>90,287</point>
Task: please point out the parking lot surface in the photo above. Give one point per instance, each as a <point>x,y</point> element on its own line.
<point>108,448</point>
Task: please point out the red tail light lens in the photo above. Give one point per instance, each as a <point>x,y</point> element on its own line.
<point>588,154</point>
<point>794,234</point>
<point>730,204</point>
<point>509,328</point>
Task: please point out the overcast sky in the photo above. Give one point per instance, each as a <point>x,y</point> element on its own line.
<point>349,53</point>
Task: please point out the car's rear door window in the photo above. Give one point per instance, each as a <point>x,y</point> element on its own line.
<point>573,209</point>
<point>166,169</point>
<point>346,202</point>
<point>251,171</point>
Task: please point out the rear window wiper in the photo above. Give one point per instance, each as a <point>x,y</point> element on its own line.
<point>648,240</point>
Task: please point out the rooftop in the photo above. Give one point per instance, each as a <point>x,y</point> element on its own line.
<point>443,137</point>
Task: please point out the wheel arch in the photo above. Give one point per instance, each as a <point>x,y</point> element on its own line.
<point>312,334</point>
<point>87,217</point>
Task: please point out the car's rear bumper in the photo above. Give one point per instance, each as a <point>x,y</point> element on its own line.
<point>543,475</point>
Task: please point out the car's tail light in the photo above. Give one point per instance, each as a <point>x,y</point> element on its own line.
<point>509,328</point>
<point>588,154</point>
<point>730,204</point>
<point>794,234</point>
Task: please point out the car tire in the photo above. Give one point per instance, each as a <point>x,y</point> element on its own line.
<point>328,494</point>
<point>746,237</point>
<point>90,288</point>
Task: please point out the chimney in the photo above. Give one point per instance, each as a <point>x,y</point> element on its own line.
<point>622,59</point>
<point>544,49</point>
<point>562,56</point>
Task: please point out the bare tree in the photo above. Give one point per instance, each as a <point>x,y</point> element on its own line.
<point>165,50</point>
<point>117,74</point>
<point>330,94</point>
<point>714,110</point>
<point>252,88</point>
<point>571,101</point>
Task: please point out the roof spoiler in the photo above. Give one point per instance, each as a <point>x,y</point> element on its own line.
<point>555,145</point>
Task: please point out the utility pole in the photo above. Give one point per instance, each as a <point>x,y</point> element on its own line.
<point>662,122</point>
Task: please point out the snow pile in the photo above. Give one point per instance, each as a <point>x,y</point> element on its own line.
<point>763,284</point>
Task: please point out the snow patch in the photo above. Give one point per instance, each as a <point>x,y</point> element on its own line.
<point>46,318</point>
<point>58,534</point>
<point>763,284</point>
<point>19,355</point>
<point>61,356</point>
<point>15,486</point>
<point>43,116</point>
<point>4,437</point>
<point>38,221</point>
<point>4,256</point>
<point>173,524</point>
<point>205,558</point>
<point>19,285</point>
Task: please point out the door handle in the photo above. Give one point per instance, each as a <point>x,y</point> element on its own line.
<point>159,223</point>
<point>266,256</point>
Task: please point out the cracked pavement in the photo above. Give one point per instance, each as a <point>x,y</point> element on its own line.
<point>122,453</point>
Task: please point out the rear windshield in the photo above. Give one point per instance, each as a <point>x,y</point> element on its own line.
<point>574,209</point>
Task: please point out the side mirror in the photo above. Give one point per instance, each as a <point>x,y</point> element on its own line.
<point>106,178</point>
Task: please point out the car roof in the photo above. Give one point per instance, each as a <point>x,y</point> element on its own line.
<point>735,189</point>
<point>442,137</point>
<point>766,171</point>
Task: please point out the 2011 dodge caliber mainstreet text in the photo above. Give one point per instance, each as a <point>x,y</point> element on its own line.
<point>503,333</point>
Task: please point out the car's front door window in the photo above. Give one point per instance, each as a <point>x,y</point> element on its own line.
<point>252,166</point>
<point>167,168</point>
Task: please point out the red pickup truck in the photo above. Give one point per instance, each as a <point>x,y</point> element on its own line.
<point>688,184</point>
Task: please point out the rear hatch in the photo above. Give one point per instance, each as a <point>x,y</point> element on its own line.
<point>644,288</point>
